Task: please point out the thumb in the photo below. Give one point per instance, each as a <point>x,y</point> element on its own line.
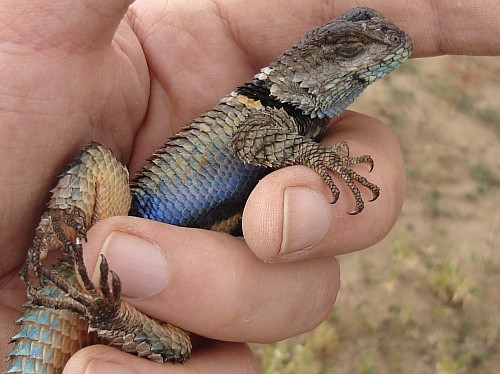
<point>70,25</point>
<point>167,270</point>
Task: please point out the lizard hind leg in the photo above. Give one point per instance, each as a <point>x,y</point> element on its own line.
<point>95,186</point>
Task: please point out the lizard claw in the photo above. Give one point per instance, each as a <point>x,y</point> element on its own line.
<point>116,284</point>
<point>321,159</point>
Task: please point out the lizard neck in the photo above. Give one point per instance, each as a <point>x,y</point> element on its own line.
<point>258,89</point>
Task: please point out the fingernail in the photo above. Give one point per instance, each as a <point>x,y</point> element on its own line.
<point>98,366</point>
<point>139,264</point>
<point>307,218</point>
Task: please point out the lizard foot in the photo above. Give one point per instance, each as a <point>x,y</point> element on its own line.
<point>321,159</point>
<point>58,230</point>
<point>63,230</point>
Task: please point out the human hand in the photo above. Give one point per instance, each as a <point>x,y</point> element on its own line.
<point>64,84</point>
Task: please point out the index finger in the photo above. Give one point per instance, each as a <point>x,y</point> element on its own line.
<point>436,27</point>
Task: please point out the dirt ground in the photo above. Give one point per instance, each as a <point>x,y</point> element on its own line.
<point>427,298</point>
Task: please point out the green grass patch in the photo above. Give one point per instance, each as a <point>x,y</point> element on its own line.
<point>486,179</point>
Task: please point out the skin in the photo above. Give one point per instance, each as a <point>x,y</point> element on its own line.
<point>72,72</point>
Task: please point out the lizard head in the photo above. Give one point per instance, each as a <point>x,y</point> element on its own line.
<point>335,62</point>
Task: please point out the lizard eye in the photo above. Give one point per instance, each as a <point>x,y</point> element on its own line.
<point>348,47</point>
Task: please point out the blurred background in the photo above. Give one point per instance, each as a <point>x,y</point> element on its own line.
<point>427,298</point>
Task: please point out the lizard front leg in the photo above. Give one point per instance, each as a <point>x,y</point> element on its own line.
<point>271,138</point>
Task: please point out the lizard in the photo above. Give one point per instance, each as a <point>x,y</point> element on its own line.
<point>201,178</point>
